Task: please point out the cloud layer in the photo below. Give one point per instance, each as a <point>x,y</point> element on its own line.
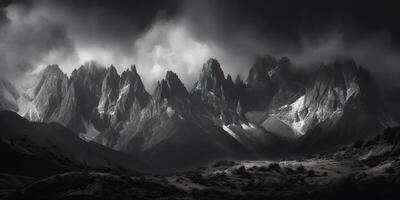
<point>181,35</point>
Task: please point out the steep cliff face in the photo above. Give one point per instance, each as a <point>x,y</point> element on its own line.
<point>342,105</point>
<point>217,93</point>
<point>67,101</point>
<point>48,94</point>
<point>169,104</point>
<point>333,87</point>
<point>132,97</point>
<point>109,92</point>
<point>67,112</point>
<point>122,98</point>
<point>87,80</point>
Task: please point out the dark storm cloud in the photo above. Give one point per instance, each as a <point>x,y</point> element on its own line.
<point>181,34</point>
<point>114,23</point>
<point>3,17</point>
<point>310,32</point>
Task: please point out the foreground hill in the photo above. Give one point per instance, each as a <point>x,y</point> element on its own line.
<point>33,148</point>
<point>364,170</point>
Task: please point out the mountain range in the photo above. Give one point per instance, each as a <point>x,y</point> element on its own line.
<point>278,111</point>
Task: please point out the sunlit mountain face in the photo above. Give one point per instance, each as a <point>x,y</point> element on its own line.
<point>199,99</point>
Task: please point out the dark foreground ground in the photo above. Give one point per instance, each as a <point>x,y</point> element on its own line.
<point>363,170</point>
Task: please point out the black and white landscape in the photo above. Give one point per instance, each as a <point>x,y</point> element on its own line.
<point>199,100</point>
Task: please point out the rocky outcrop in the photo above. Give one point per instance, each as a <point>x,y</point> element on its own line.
<point>342,105</point>
<point>88,80</point>
<point>217,93</point>
<point>333,87</point>
<point>48,94</point>
<point>122,98</point>
<point>109,92</point>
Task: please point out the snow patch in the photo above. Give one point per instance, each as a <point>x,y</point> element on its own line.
<point>298,126</point>
<point>170,112</point>
<point>248,126</point>
<point>292,118</point>
<point>124,90</point>
<point>230,132</point>
<point>298,104</point>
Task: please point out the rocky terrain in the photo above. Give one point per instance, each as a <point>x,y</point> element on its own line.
<point>367,169</point>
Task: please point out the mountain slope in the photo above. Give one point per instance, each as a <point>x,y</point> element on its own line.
<point>55,142</point>
<point>342,105</point>
<point>169,135</point>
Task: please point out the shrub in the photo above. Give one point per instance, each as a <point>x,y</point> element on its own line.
<point>311,173</point>
<point>242,172</point>
<point>300,168</point>
<point>274,166</point>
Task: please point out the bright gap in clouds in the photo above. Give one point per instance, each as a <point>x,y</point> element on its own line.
<point>170,46</point>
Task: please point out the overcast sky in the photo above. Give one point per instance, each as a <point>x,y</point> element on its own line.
<point>181,35</point>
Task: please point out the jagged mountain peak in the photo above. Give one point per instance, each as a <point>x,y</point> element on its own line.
<point>130,76</point>
<point>212,78</point>
<point>172,89</point>
<point>111,72</point>
<point>265,62</point>
<point>342,73</point>
<point>174,83</point>
<point>212,68</point>
<point>229,78</point>
<point>133,69</point>
<point>260,69</point>
<point>53,69</point>
<point>88,73</point>
<point>48,93</point>
<point>112,68</point>
<point>52,73</point>
<point>238,80</point>
<point>259,85</point>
